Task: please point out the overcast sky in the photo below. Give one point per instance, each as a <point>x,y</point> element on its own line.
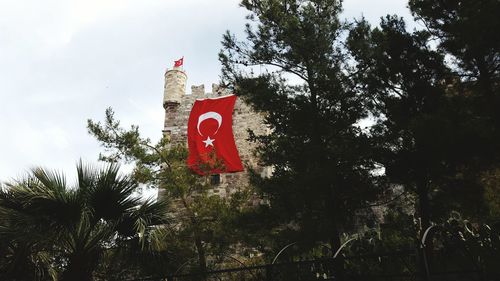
<point>64,61</point>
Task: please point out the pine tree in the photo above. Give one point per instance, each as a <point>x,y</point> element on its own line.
<point>320,156</point>
<point>465,31</point>
<point>406,80</point>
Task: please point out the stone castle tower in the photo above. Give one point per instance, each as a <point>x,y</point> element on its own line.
<point>177,104</point>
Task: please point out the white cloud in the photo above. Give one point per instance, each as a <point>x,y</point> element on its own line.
<point>372,11</point>
<point>64,61</point>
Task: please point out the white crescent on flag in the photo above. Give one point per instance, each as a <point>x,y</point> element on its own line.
<point>209,115</point>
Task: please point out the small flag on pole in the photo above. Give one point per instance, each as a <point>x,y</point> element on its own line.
<point>179,62</point>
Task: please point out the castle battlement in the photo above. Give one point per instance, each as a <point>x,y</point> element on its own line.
<point>178,106</point>
<point>217,90</point>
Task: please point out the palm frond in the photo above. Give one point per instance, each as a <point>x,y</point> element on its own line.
<point>111,194</point>
<point>48,223</point>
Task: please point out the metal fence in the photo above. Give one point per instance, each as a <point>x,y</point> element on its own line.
<point>456,250</point>
<point>394,266</point>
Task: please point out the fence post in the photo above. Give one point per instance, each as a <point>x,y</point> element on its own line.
<point>269,275</point>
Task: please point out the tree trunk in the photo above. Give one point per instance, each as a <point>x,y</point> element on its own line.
<point>424,205</point>
<point>424,254</point>
<point>202,261</point>
<point>338,263</point>
<point>317,166</point>
<point>335,242</point>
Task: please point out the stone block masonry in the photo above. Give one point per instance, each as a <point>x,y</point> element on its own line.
<point>178,105</point>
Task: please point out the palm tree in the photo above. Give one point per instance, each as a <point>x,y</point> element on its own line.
<point>62,231</point>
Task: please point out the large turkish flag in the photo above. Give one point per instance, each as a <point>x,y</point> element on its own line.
<point>210,137</point>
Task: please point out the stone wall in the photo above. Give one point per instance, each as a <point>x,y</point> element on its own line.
<point>244,119</point>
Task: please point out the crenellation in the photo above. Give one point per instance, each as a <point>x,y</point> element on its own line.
<point>198,91</point>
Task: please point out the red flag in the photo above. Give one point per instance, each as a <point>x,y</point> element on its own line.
<point>179,62</point>
<point>210,137</point>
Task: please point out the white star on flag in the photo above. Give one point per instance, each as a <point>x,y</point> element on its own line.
<point>208,142</point>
